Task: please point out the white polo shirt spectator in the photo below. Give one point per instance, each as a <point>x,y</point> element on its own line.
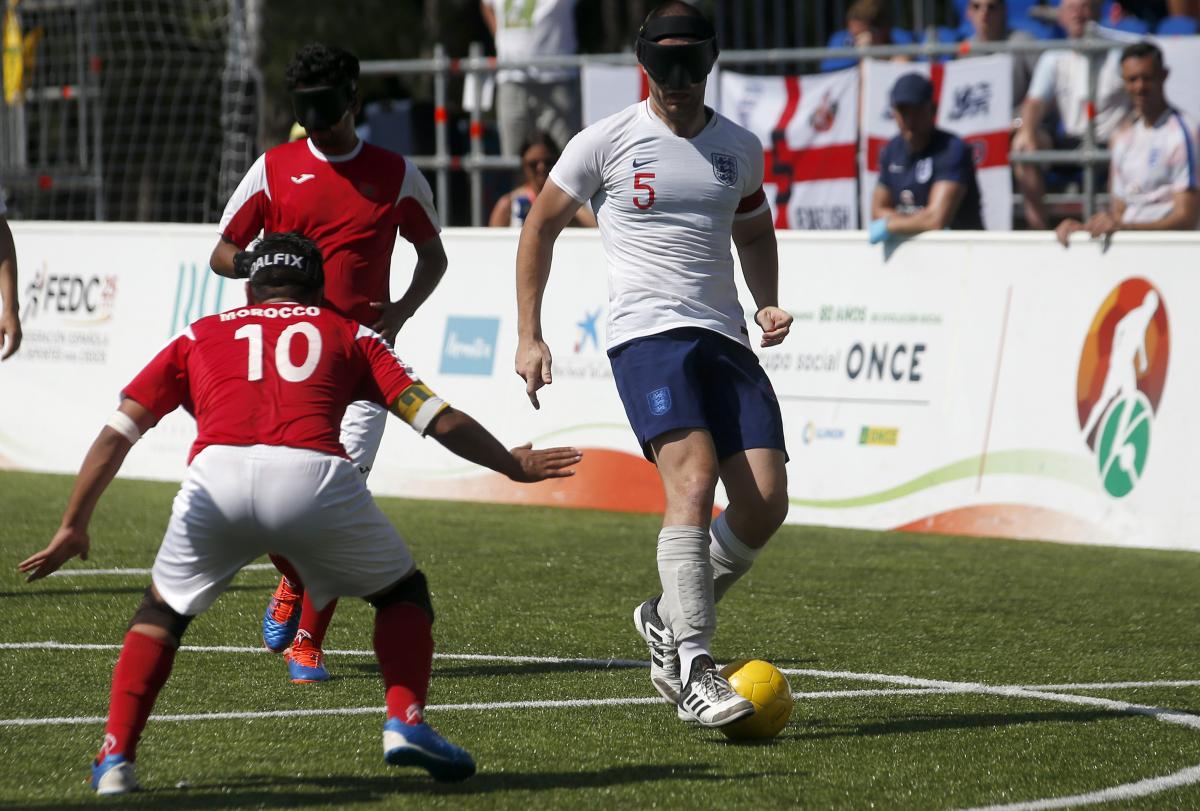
<point>1151,163</point>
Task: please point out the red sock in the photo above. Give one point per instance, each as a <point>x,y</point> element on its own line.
<point>315,623</point>
<point>141,671</point>
<point>286,569</point>
<point>404,648</point>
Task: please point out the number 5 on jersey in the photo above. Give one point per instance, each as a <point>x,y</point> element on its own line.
<point>253,334</point>
<point>640,184</point>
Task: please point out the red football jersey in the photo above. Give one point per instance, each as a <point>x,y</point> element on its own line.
<point>351,205</point>
<point>271,374</point>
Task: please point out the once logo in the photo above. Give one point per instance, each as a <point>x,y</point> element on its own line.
<point>1122,371</point>
<point>470,345</point>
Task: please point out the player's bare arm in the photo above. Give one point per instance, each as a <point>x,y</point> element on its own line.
<point>945,196</point>
<point>551,212</point>
<point>100,466</point>
<point>10,321</point>
<point>427,273</point>
<point>463,436</point>
<point>221,260</point>
<point>758,252</point>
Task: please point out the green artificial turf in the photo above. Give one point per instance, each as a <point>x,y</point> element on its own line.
<point>836,605</point>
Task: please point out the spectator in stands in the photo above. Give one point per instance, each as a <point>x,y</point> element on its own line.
<point>868,22</point>
<point>926,175</point>
<point>989,19</point>
<point>1060,85</point>
<point>529,99</point>
<point>10,321</point>
<point>1153,173</point>
<point>538,156</point>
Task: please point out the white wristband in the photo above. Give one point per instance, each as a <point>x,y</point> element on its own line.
<point>124,425</point>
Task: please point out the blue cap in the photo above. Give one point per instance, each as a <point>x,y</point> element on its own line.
<point>911,88</point>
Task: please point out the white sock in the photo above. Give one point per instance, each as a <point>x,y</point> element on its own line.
<point>730,557</point>
<point>687,582</point>
<point>689,649</point>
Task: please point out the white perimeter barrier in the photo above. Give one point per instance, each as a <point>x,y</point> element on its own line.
<point>989,384</point>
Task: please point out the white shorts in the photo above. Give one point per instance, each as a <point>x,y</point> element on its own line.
<point>362,431</point>
<point>238,503</point>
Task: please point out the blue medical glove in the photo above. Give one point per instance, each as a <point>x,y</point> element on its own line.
<point>877,231</point>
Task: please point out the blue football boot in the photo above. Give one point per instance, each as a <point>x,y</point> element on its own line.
<point>419,745</point>
<point>113,775</point>
<point>282,617</point>
<point>306,662</point>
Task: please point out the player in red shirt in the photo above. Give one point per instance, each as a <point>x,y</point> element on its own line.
<point>267,384</point>
<point>352,199</point>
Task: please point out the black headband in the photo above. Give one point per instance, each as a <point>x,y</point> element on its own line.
<point>677,26</point>
<point>248,264</point>
<point>677,66</point>
<point>319,108</point>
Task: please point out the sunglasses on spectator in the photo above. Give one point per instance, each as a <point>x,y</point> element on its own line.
<point>987,6</point>
<point>536,162</point>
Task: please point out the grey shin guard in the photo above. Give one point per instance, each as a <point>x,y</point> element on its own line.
<point>731,558</point>
<point>687,582</point>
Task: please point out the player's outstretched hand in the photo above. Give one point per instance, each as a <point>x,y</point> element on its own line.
<point>10,334</point>
<point>547,463</point>
<point>391,318</point>
<point>775,323</point>
<point>66,544</point>
<point>533,366</point>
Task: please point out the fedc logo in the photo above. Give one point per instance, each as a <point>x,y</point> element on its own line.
<point>71,296</point>
<point>1122,371</point>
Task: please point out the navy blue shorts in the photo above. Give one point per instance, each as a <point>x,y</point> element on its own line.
<point>696,378</point>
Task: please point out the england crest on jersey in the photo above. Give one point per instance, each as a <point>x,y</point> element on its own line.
<point>725,168</point>
<point>924,170</point>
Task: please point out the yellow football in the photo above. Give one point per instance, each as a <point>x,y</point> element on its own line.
<point>768,689</point>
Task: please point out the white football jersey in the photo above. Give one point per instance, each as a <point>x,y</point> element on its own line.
<point>666,207</point>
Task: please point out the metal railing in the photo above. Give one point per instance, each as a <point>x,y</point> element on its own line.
<point>475,162</point>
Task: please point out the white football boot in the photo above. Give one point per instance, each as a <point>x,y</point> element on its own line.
<point>708,699</point>
<point>664,658</point>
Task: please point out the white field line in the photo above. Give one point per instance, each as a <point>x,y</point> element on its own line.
<point>253,567</point>
<point>921,685</point>
<point>1127,791</point>
<point>907,685</point>
<point>570,703</point>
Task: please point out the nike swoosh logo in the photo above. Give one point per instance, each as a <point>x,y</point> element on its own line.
<point>637,165</point>
<point>304,178</point>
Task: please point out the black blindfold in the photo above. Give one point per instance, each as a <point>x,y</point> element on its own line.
<point>677,66</point>
<point>319,108</point>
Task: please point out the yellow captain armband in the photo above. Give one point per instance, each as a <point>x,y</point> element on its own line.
<point>418,405</point>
